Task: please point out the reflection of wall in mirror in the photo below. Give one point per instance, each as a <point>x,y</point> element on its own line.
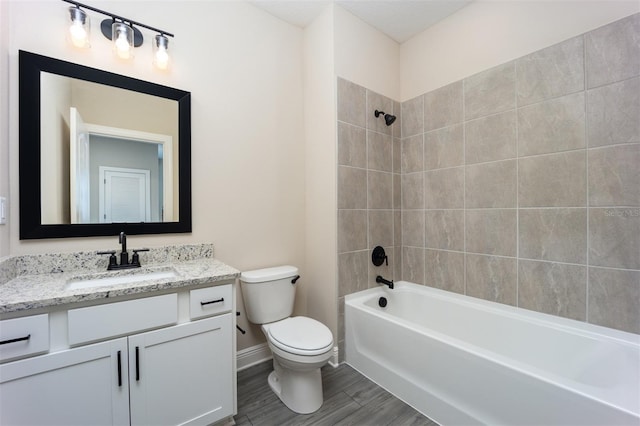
<point>101,105</point>
<point>54,147</point>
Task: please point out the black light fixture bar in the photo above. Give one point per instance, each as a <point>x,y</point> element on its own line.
<point>121,18</point>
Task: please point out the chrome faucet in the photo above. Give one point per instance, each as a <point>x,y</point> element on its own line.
<point>124,255</point>
<point>381,280</point>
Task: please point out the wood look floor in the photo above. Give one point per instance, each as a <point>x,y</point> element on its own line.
<point>349,399</point>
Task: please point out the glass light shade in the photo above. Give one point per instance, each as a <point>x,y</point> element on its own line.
<point>122,37</point>
<point>79,28</point>
<point>161,51</point>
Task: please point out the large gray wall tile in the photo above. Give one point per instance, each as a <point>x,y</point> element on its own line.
<point>352,230</point>
<point>614,176</point>
<point>379,151</point>
<point>491,185</point>
<point>491,231</point>
<point>397,191</point>
<point>443,106</point>
<point>352,272</point>
<point>613,52</point>
<point>412,117</point>
<point>378,102</point>
<point>379,190</point>
<point>444,148</point>
<point>490,138</point>
<point>614,296</point>
<point>413,228</point>
<point>412,154</point>
<point>444,270</point>
<point>352,188</point>
<point>552,126</point>
<point>381,228</point>
<point>444,188</point>
<point>613,237</point>
<point>352,146</point>
<point>553,288</point>
<point>352,102</point>
<point>397,155</point>
<point>553,234</point>
<point>413,264</point>
<point>490,91</point>
<point>612,113</point>
<point>548,73</point>
<point>444,229</point>
<point>412,191</point>
<point>397,227</point>
<point>492,278</point>
<point>554,180</point>
<point>396,128</point>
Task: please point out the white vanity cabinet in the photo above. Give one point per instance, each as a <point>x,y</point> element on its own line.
<point>180,372</point>
<point>73,387</point>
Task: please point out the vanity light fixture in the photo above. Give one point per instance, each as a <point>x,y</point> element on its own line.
<point>122,31</point>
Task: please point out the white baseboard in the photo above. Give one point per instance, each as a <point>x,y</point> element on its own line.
<point>253,355</point>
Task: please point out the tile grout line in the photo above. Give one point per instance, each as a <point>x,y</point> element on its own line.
<point>515,96</point>
<point>586,171</point>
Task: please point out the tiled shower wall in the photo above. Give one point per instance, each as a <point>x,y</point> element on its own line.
<point>521,184</point>
<point>368,191</point>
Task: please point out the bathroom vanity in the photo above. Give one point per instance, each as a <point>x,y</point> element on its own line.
<point>93,347</point>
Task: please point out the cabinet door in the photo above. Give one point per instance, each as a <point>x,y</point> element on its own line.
<point>182,374</point>
<point>80,386</point>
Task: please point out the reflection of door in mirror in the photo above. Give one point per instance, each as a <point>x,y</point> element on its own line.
<point>125,195</point>
<point>122,149</point>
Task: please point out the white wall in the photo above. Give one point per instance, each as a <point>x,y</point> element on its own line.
<point>4,118</point>
<point>487,33</point>
<point>243,68</point>
<point>320,170</point>
<point>365,55</point>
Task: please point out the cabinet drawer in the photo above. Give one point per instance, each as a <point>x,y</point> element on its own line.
<point>210,301</point>
<point>120,318</point>
<point>24,336</point>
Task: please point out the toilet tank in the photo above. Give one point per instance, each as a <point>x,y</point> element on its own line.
<point>268,293</point>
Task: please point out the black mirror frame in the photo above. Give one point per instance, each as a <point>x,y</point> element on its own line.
<point>31,227</point>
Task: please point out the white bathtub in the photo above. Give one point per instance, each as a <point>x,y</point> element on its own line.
<point>461,360</point>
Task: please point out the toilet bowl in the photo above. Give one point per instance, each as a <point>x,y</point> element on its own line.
<point>300,345</point>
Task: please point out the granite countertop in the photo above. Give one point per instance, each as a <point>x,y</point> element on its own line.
<point>45,290</point>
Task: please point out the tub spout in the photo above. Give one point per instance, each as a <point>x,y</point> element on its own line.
<point>381,280</point>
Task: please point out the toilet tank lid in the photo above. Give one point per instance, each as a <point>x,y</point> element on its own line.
<point>268,274</point>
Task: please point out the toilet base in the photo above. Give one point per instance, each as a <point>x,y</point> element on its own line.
<point>300,391</point>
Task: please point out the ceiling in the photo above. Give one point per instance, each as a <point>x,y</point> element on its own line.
<point>399,19</point>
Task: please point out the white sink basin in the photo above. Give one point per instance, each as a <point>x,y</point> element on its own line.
<point>120,277</point>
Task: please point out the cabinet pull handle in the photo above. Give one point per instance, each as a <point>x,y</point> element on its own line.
<point>137,364</point>
<point>19,339</point>
<point>119,369</point>
<point>212,301</point>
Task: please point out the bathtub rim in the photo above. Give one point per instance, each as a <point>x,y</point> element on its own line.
<point>554,321</point>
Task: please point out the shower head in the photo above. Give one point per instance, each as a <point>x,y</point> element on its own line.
<point>388,118</point>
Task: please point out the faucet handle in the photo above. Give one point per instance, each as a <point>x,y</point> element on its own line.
<point>135,259</point>
<point>113,261</point>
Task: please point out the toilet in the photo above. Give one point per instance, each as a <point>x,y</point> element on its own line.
<point>300,345</point>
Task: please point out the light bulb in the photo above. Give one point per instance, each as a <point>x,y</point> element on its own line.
<point>79,27</point>
<point>162,58</point>
<point>78,34</point>
<point>161,52</point>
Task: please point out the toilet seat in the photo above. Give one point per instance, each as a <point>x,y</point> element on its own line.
<point>300,336</point>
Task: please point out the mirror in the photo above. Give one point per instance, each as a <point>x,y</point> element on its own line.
<point>101,153</point>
